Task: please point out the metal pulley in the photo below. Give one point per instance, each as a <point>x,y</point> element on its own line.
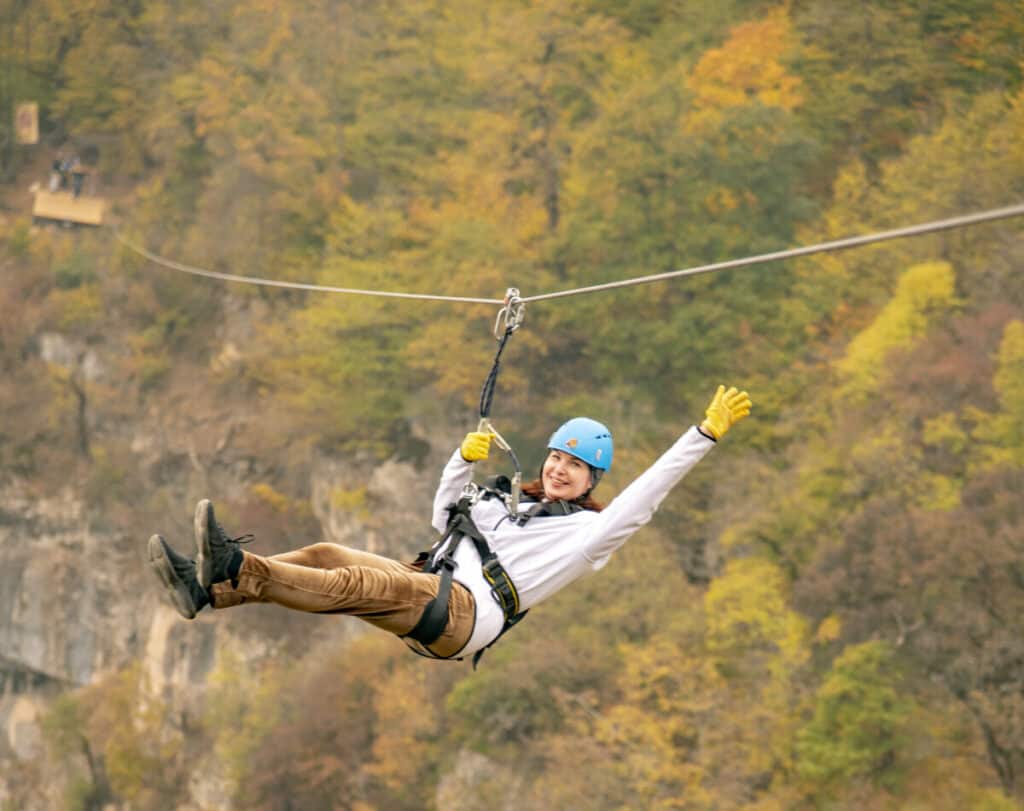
<point>511,315</point>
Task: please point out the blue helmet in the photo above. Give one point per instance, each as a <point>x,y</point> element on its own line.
<point>585,439</point>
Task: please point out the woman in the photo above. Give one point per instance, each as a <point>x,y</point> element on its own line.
<point>561,534</point>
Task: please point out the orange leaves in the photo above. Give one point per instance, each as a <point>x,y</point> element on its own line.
<point>748,68</point>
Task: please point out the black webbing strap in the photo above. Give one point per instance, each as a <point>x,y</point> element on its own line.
<point>494,573</point>
<point>547,508</point>
<point>434,618</point>
<point>487,392</point>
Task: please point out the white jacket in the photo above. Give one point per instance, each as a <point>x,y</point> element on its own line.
<point>549,552</point>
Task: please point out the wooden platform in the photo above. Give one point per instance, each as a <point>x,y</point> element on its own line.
<point>62,206</point>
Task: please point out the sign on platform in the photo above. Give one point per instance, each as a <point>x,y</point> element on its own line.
<point>26,123</point>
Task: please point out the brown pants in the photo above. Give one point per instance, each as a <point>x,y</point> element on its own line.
<point>326,578</point>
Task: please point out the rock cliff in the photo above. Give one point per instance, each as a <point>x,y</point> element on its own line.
<point>78,602</point>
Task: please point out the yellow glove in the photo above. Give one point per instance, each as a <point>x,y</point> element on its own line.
<point>727,408</point>
<point>476,446</point>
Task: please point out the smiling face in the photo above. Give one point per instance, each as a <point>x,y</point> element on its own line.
<point>564,476</point>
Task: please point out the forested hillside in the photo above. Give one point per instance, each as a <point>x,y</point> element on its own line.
<point>826,614</point>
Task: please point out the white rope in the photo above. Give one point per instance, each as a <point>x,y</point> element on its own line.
<point>822,247</point>
<point>320,288</point>
<point>837,245</point>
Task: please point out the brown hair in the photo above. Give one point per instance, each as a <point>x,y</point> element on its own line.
<point>535,490</point>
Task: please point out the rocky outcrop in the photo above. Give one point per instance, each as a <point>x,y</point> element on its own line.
<point>64,612</point>
<point>383,508</point>
<point>76,599</point>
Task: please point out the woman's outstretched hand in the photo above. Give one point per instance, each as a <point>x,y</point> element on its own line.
<point>476,446</point>
<point>727,408</point>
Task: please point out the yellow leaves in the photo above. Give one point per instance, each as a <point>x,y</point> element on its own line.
<point>721,201</point>
<point>78,309</point>
<point>924,292</point>
<point>747,612</point>
<point>116,718</point>
<point>479,180</point>
<point>829,630</point>
<point>242,709</point>
<point>408,716</point>
<point>269,144</point>
<point>654,735</point>
<point>211,108</point>
<point>1014,146</point>
<point>716,685</point>
<point>353,502</point>
<point>747,68</point>
<point>273,21</point>
<point>944,431</point>
<point>1009,378</point>
<point>1001,435</point>
<point>277,501</point>
<point>628,63</point>
<point>760,644</point>
<point>938,492</point>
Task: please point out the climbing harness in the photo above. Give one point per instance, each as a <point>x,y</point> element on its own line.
<point>440,559</point>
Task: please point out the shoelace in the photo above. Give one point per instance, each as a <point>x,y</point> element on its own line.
<point>246,538</point>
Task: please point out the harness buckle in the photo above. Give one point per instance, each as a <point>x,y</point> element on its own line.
<point>448,562</point>
<point>492,569</point>
<point>502,589</point>
<point>471,493</point>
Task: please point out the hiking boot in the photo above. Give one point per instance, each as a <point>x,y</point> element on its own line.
<point>178,575</point>
<point>217,556</point>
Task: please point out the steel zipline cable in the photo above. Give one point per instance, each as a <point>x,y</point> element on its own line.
<point>961,221</point>
<point>319,288</point>
<point>821,247</point>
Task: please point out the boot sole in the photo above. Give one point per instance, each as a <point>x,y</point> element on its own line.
<point>204,560</point>
<point>176,589</point>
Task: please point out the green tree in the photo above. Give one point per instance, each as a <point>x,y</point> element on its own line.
<point>859,720</point>
<point>687,164</point>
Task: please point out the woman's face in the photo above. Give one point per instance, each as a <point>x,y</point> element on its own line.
<point>564,476</point>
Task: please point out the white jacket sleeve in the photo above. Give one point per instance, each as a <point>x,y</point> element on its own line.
<point>456,475</point>
<point>636,504</point>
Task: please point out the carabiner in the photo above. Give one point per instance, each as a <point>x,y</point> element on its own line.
<point>511,315</point>
<point>512,502</point>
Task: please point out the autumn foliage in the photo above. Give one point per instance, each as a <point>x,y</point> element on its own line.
<point>826,613</point>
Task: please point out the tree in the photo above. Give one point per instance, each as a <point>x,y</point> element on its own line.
<point>859,719</point>
<point>706,709</point>
<point>925,293</point>
<point>1001,435</point>
<point>687,164</point>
